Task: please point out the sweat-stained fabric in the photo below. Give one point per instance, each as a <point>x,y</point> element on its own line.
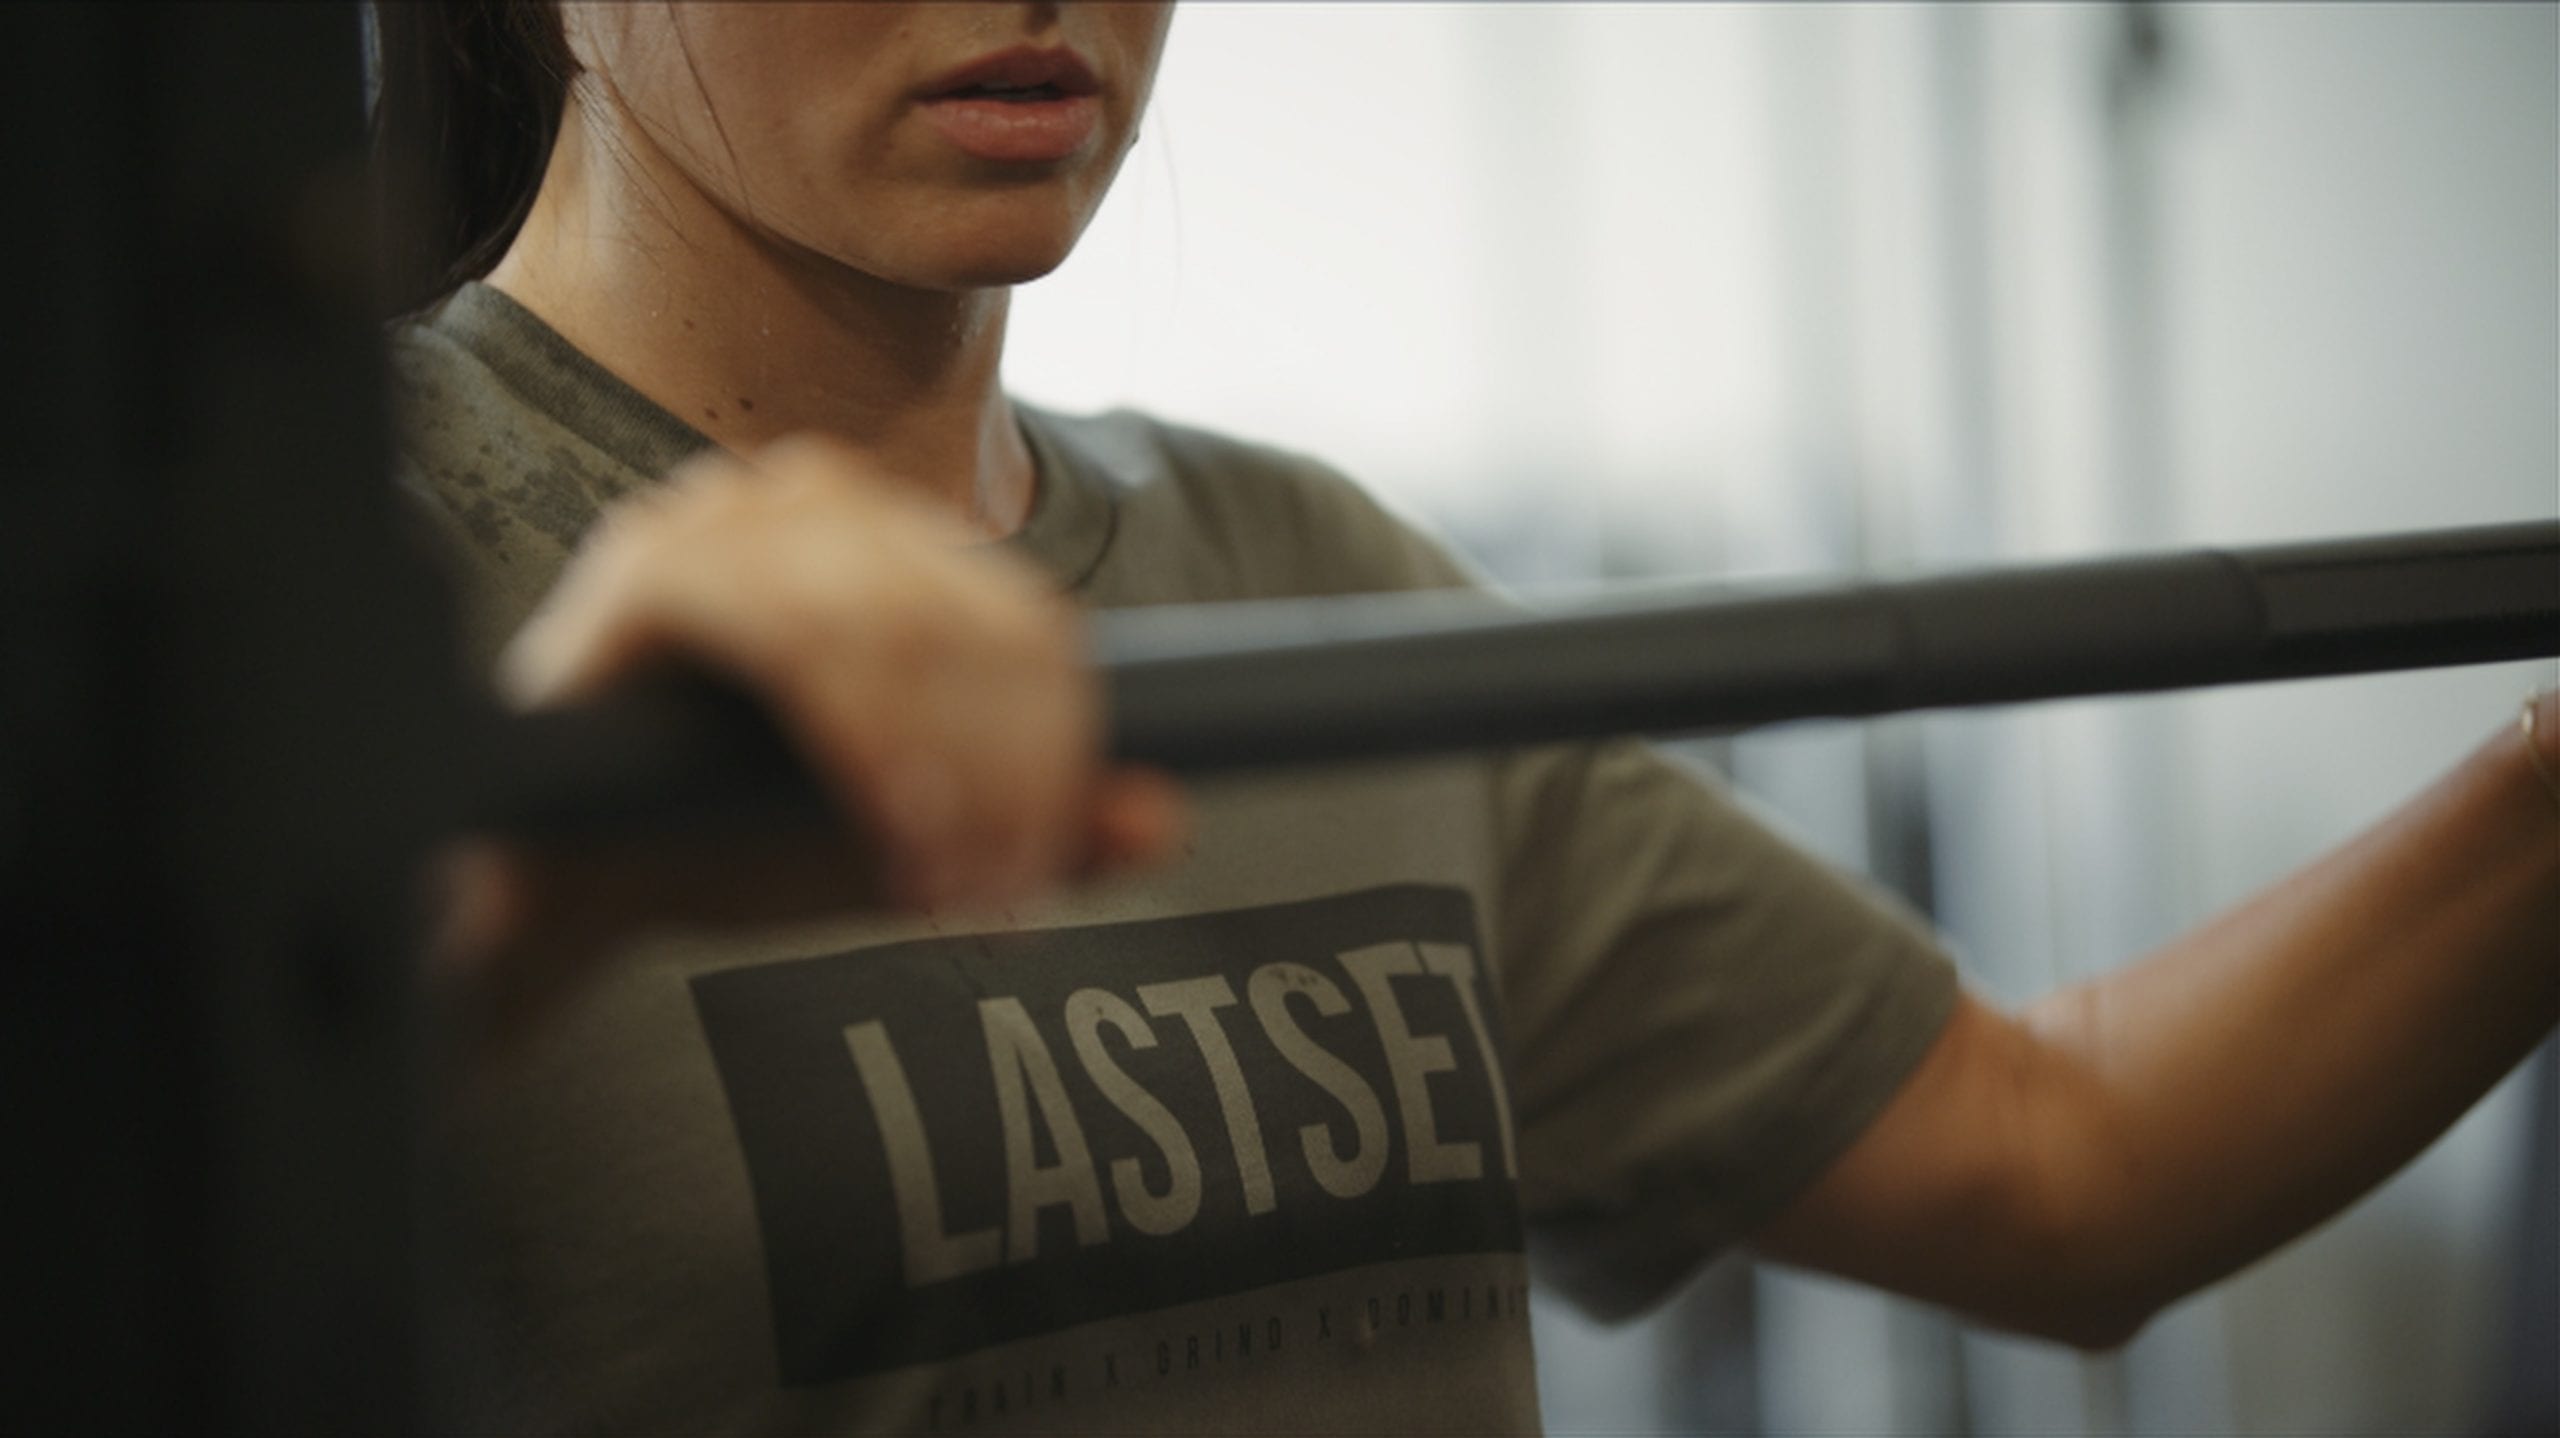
<point>1260,1143</point>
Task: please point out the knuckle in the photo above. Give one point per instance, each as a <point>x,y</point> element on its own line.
<point>804,450</point>
<point>1057,628</point>
<point>625,527</point>
<point>1037,626</point>
<point>706,484</point>
<point>908,642</point>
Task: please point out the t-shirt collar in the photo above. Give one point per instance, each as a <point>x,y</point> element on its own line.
<point>1072,512</point>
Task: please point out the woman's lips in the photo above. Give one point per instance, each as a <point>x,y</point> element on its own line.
<point>1018,131</point>
<point>1018,106</point>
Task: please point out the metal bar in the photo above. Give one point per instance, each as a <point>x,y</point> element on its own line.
<point>1210,688</point>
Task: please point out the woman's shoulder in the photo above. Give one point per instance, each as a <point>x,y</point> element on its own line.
<point>506,452</point>
<point>1247,519</point>
<point>478,375</point>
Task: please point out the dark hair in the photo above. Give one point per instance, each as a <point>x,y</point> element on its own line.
<point>467,103</point>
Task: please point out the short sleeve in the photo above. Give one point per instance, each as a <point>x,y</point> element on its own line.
<point>1702,1016</point>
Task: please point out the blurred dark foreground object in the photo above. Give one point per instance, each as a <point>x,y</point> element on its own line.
<point>224,718</point>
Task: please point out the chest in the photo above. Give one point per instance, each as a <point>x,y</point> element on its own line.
<point>848,1161</point>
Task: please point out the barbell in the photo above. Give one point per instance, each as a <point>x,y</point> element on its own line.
<point>1202,689</point>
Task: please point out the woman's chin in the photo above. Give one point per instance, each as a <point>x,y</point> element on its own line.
<point>982,267</point>
<point>996,271</point>
<point>967,259</point>
<point>958,237</point>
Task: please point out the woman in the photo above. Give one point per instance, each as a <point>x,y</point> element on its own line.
<point>1253,1141</point>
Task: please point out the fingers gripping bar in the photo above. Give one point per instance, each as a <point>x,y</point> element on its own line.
<point>1201,689</point>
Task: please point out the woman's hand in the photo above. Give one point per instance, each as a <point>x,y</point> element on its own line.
<point>935,686</point>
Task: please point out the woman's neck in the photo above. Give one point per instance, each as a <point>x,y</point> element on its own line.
<point>749,339</point>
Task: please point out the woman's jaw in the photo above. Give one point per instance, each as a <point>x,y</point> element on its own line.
<point>754,217</point>
<point>937,147</point>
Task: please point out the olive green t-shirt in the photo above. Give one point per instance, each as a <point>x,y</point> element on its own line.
<point>1260,1143</point>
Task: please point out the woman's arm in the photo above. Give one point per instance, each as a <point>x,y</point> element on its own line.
<point>2070,1170</point>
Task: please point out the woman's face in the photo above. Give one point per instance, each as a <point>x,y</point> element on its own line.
<point>944,146</point>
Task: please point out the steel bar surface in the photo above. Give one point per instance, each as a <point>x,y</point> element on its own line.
<point>1209,688</point>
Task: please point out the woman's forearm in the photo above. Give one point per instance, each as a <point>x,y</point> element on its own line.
<point>2251,1079</point>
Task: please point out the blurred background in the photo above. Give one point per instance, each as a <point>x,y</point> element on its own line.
<point>1603,292</point>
